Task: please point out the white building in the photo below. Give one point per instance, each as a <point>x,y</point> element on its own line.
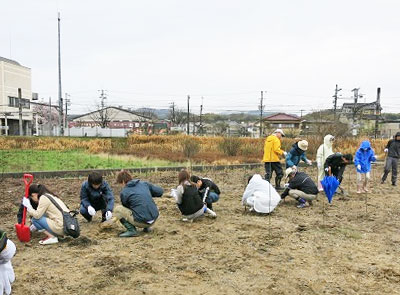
<point>12,77</point>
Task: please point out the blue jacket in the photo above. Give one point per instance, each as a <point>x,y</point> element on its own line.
<point>138,196</point>
<point>97,197</point>
<point>364,156</point>
<point>295,155</point>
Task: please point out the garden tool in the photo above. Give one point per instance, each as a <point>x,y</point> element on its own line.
<point>23,231</point>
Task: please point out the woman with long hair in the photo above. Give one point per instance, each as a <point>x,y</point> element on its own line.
<point>47,217</point>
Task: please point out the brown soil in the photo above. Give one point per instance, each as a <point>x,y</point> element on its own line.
<point>353,249</point>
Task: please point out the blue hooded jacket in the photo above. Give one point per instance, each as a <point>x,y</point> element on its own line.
<point>295,155</point>
<point>364,156</point>
<point>138,196</point>
<point>97,197</point>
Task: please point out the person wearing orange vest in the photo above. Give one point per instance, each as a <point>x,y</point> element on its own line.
<point>272,153</point>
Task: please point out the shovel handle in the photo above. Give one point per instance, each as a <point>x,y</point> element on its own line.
<point>28,178</point>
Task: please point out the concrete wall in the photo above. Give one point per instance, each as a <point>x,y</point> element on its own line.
<point>95,132</point>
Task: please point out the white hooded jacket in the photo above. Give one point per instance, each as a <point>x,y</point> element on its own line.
<point>323,152</point>
<point>260,195</point>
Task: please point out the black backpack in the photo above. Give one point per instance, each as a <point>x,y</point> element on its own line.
<point>191,200</point>
<point>70,222</point>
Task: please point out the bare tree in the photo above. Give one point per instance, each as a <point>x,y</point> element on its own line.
<point>102,116</point>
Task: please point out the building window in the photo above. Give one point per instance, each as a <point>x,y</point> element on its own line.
<point>14,102</point>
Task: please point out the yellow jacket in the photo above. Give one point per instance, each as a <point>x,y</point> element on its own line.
<point>272,149</point>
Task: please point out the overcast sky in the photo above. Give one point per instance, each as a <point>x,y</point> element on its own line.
<point>151,53</point>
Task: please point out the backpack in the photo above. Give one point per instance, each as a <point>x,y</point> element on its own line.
<point>191,200</point>
<point>70,222</point>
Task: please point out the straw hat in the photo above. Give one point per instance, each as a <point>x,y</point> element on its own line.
<point>303,145</point>
<point>280,131</point>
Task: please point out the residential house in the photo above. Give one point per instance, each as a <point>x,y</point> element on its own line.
<point>282,121</point>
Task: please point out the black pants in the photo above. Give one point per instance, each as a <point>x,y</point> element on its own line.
<point>270,167</point>
<point>391,163</point>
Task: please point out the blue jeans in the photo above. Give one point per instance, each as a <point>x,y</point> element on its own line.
<point>212,198</point>
<point>41,223</point>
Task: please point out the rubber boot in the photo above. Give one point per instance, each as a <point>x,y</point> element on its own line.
<point>278,183</point>
<point>131,229</point>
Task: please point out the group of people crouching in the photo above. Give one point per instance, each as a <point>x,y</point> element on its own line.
<point>194,197</point>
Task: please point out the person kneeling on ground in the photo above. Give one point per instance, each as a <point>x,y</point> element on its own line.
<point>189,200</point>
<point>213,190</point>
<point>260,195</point>
<point>46,217</point>
<point>301,187</point>
<point>96,195</point>
<point>138,207</point>
<point>7,252</point>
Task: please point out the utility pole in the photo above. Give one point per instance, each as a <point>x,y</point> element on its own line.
<point>194,124</point>
<point>335,98</point>
<point>377,110</point>
<point>67,101</point>
<point>173,119</point>
<point>261,108</point>
<point>201,114</point>
<point>21,130</point>
<point>60,100</point>
<point>355,90</point>
<point>188,99</point>
<point>50,127</point>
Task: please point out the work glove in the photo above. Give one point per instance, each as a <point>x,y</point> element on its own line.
<point>91,210</point>
<point>327,169</point>
<point>385,150</point>
<point>27,203</point>
<point>108,215</point>
<point>32,228</point>
<point>359,167</point>
<point>284,153</point>
<point>309,162</point>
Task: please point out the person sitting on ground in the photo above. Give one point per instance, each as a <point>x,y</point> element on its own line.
<point>138,207</point>
<point>393,154</point>
<point>47,217</point>
<point>189,200</point>
<point>96,195</point>
<point>336,164</point>
<point>323,152</point>
<point>21,213</point>
<point>297,153</point>
<point>7,252</point>
<point>202,185</point>
<point>260,195</point>
<point>301,187</point>
<point>364,156</point>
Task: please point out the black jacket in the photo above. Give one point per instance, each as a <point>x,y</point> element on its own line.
<point>334,161</point>
<point>191,200</point>
<point>394,147</point>
<point>302,182</point>
<point>206,182</point>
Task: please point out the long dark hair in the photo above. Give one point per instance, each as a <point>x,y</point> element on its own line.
<point>39,189</point>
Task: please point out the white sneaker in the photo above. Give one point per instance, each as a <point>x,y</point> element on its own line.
<point>49,241</point>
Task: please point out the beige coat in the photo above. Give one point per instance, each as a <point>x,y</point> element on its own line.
<point>53,215</point>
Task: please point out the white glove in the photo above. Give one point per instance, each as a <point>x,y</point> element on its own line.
<point>91,211</point>
<point>108,215</point>
<point>284,153</point>
<point>174,194</point>
<point>327,169</point>
<point>358,167</point>
<point>385,150</point>
<point>27,203</point>
<point>32,228</point>
<point>309,162</point>
<point>319,166</point>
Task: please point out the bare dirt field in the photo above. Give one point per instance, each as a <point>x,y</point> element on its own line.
<point>353,249</point>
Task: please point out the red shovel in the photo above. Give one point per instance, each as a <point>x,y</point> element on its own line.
<point>23,231</point>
